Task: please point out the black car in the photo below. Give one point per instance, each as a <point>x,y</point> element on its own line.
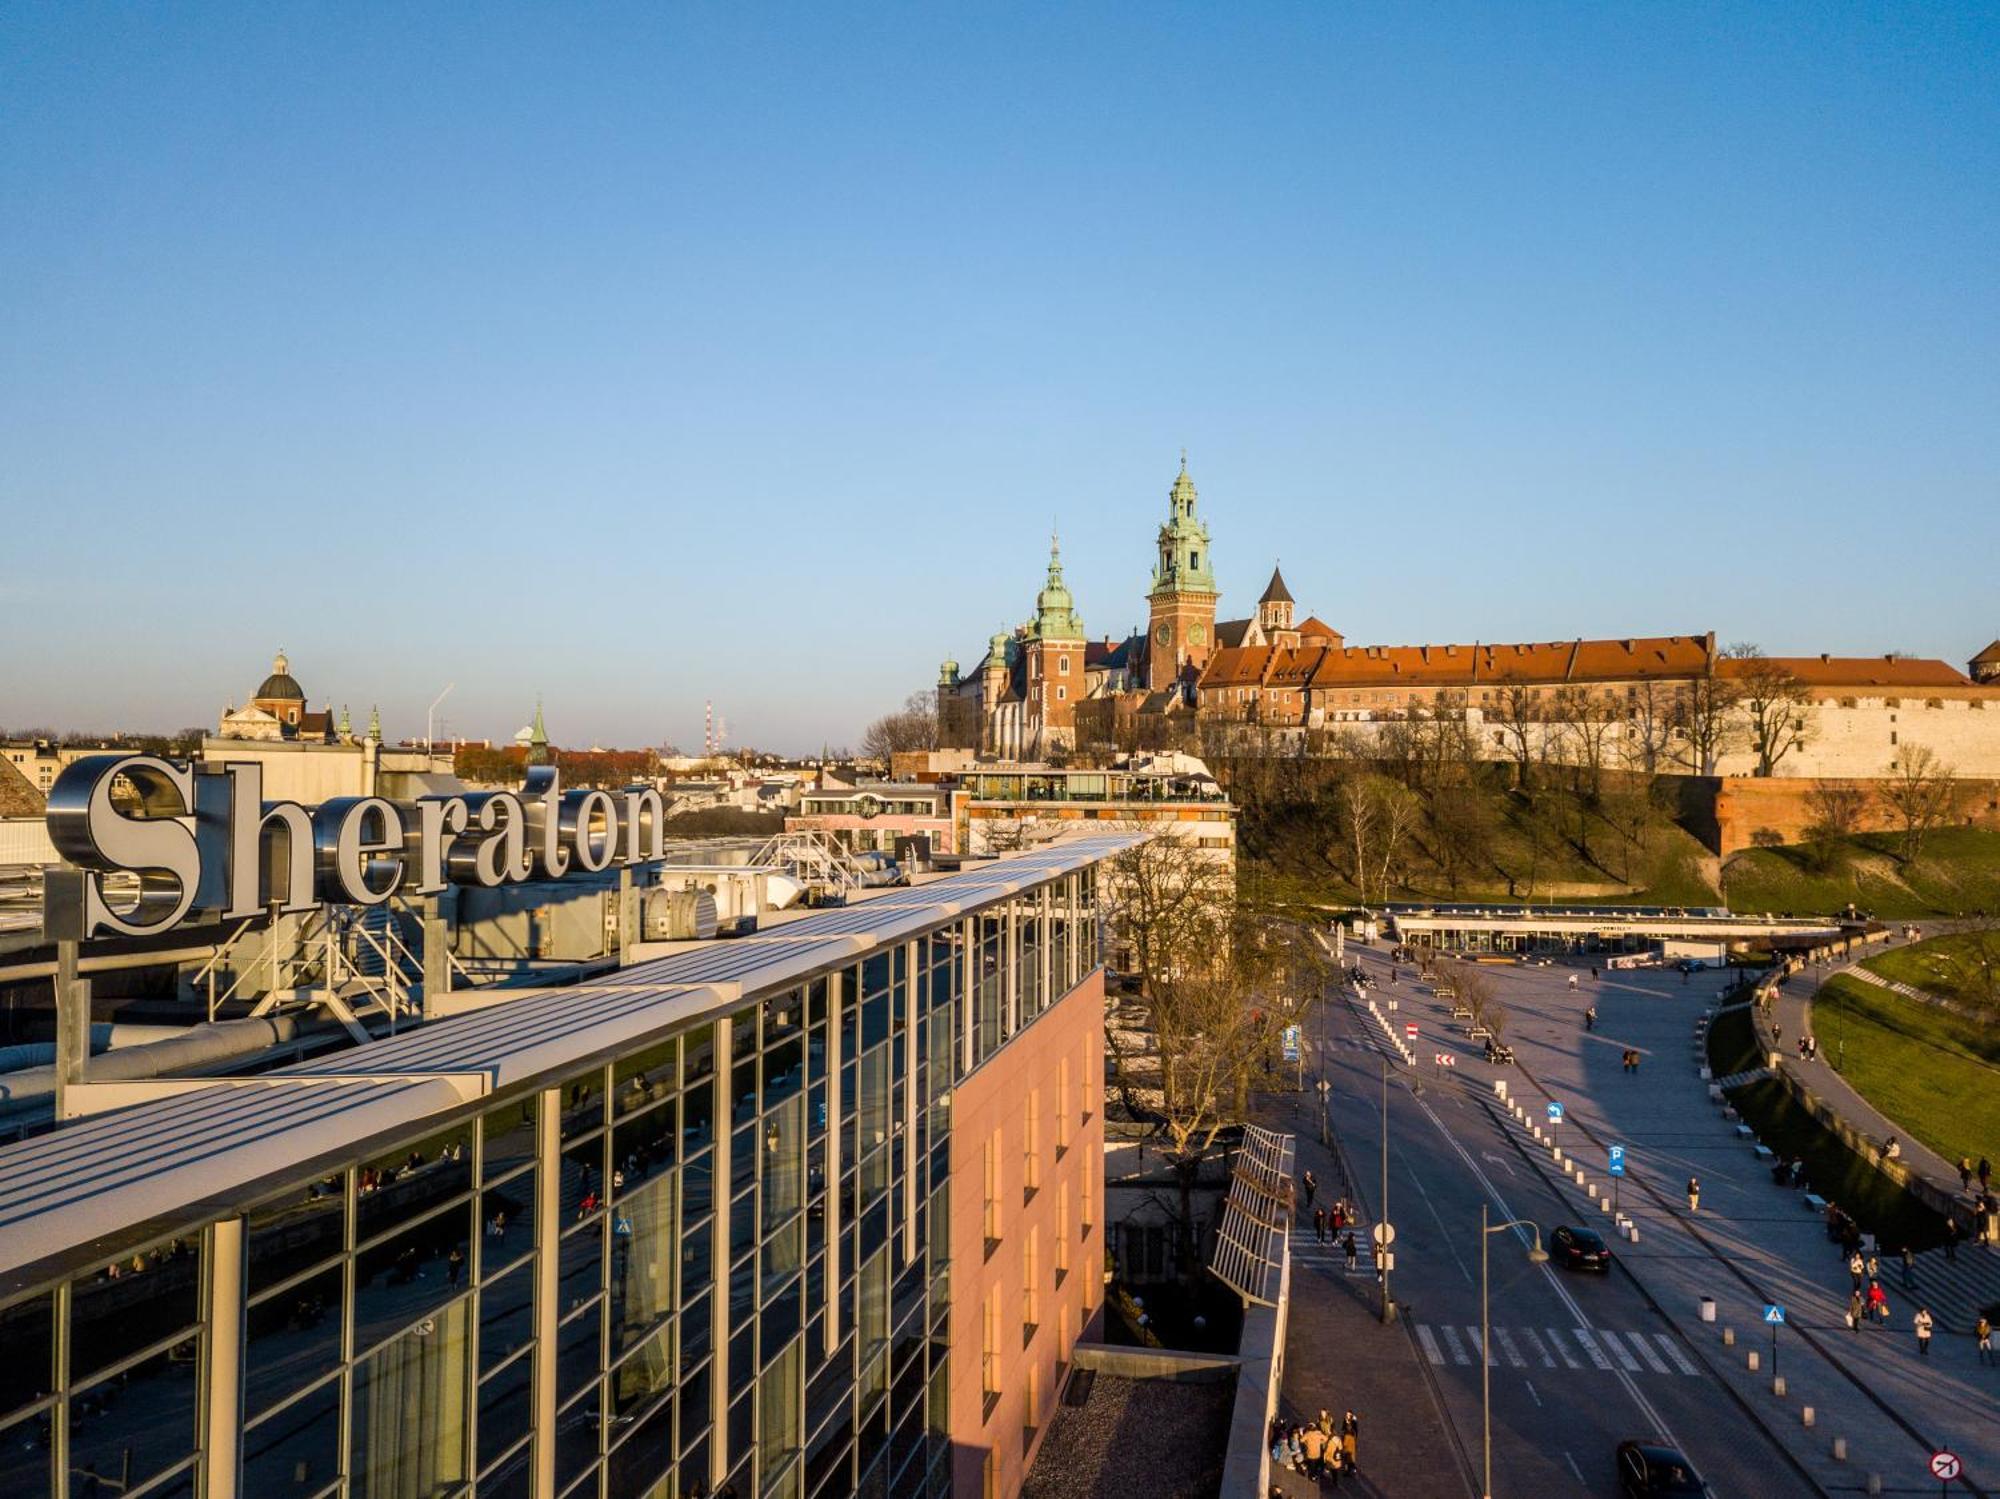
<point>1646,1468</point>
<point>1579,1249</point>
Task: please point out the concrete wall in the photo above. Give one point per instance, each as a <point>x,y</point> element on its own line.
<point>992,1106</point>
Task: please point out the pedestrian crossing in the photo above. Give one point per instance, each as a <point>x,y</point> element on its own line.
<point>1330,1253</point>
<point>1556,1348</point>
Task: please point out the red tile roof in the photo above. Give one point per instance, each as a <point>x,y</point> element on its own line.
<point>1857,671</point>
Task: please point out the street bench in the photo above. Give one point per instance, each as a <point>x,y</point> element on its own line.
<point>1765,1153</point>
<point>1815,1203</point>
<point>1744,1132</point>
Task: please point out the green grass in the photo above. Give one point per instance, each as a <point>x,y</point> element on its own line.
<point>1931,1071</point>
<point>1877,1204</point>
<point>1958,873</point>
<point>1933,965</point>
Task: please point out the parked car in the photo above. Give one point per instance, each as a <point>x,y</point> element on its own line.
<point>1690,965</point>
<point>1647,1468</point>
<point>1579,1248</point>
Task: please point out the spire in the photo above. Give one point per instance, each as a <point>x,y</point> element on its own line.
<point>1182,563</point>
<point>374,724</point>
<point>1275,591</point>
<point>538,737</point>
<point>1055,609</point>
<point>346,727</point>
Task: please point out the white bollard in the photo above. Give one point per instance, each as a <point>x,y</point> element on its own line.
<point>1708,1308</point>
<point>1778,1386</point>
<point>1806,1415</point>
<point>1634,1234</point>
<point>1728,1337</point>
<point>1751,1361</point>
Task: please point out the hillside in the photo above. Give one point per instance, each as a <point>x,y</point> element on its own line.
<point>1958,874</point>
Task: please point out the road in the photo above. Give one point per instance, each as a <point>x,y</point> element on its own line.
<point>1577,1362</point>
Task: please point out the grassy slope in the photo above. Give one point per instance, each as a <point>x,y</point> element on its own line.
<point>1921,966</point>
<point>1959,872</point>
<point>1836,1173</point>
<point>1932,1072</point>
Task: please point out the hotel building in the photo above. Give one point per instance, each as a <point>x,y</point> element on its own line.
<point>810,1212</point>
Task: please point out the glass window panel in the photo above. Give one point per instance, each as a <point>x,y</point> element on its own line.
<point>694,1449</point>
<point>816,1110</point>
<point>743,1157</point>
<point>506,1409</point>
<point>783,1160</point>
<point>742,1352</point>
<point>27,1458</point>
<point>508,1215</point>
<point>646,1077</point>
<point>784,1253</point>
<point>133,1302</point>
<point>875,973</point>
<point>645,1245</point>
<point>641,1464</point>
<point>697,1255</point>
<point>506,1316</point>
<point>295,1231</point>
<point>743,1091</point>
<point>780,1398</point>
<point>583,1179</point>
<point>576,1442</point>
<point>297,1450</point>
<point>581,1269</point>
<point>411,1395</point>
<point>409,1273</point>
<point>407,1182</point>
<point>644,1145</point>
<point>779,1321</point>
<point>874,1021</point>
<point>743,1033</point>
<point>27,1333</point>
<point>697,1329</point>
<point>513,1479</point>
<point>509,1136</point>
<point>583,1105</point>
<point>698,1185</point>
<point>292,1339</point>
<point>141,1423</point>
<point>579,1352</point>
<point>850,1015</point>
<point>743,1222</point>
<point>741,1427</point>
<point>648,1372</point>
<point>698,1115</point>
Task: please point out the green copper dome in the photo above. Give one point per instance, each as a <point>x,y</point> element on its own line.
<point>1184,565</point>
<point>1055,611</point>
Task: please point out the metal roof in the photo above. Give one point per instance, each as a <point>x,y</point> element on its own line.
<point>101,1183</point>
<point>1250,1242</point>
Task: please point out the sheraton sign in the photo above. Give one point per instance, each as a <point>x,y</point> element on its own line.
<point>202,838</point>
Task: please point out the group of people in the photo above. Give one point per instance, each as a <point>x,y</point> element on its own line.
<point>1983,1199</point>
<point>1808,1048</point>
<point>1630,1060</point>
<point>1316,1449</point>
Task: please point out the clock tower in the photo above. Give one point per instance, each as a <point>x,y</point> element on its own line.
<point>1182,598</point>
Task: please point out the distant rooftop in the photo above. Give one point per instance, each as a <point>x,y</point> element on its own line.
<point>1164,1438</point>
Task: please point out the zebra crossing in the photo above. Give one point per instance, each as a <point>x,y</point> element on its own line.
<point>1557,1348</point>
<point>1329,1254</point>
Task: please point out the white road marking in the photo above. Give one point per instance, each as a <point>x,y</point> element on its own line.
<point>1589,1345</point>
<point>1457,1348</point>
<point>1618,1351</point>
<point>1540,1352</point>
<point>1646,1351</point>
<point>1431,1350</point>
<point>1472,1337</point>
<point>1532,1391</point>
<point>1562,1350</point>
<point>1573,1467</point>
<point>1673,1349</point>
<point>1512,1353</point>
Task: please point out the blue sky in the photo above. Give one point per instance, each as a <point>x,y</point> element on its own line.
<point>639,356</point>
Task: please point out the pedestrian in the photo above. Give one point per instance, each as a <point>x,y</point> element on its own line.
<point>1694,1193</point>
<point>1319,1225</point>
<point>1985,1175</point>
<point>1856,1268</point>
<point>1951,1235</point>
<point>1909,1269</point>
<point>1922,1323</point>
<point>1572,983</point>
<point>1854,1311</point>
<point>1311,1186</point>
<point>1349,1444</point>
<point>1983,1330</point>
<point>454,1266</point>
<point>1353,1254</point>
<point>1878,1300</point>
<point>1965,1173</point>
<point>1325,1422</point>
<point>1313,1444</point>
<point>1874,1268</point>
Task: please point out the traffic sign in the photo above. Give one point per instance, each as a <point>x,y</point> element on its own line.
<point>1444,1059</point>
<point>1383,1233</point>
<point>1774,1314</point>
<point>1555,1112</point>
<point>1618,1160</point>
<point>1291,1043</point>
<point>1410,1029</point>
<point>1945,1466</point>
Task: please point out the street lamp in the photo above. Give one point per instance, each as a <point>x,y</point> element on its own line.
<point>1536,1256</point>
<point>1325,1088</point>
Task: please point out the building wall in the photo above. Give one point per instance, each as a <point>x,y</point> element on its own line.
<point>1869,737</point>
<point>1748,805</point>
<point>1012,1121</point>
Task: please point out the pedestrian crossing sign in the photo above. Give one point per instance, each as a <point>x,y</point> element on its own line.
<point>1774,1314</point>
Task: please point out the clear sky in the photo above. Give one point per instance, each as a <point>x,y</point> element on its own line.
<point>637,356</point>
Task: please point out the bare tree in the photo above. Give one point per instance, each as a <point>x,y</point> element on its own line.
<point>1775,702</point>
<point>1520,715</point>
<point>1650,720</point>
<point>1704,722</point>
<point>1923,792</point>
<point>914,726</point>
<point>1835,809</point>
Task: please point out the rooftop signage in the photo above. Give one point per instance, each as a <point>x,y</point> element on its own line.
<point>202,839</point>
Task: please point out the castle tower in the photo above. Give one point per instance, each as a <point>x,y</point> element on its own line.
<point>1985,667</point>
<point>992,689</point>
<point>1274,613</point>
<point>1055,659</point>
<point>1181,602</point>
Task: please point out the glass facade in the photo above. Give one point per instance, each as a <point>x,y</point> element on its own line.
<point>720,1256</point>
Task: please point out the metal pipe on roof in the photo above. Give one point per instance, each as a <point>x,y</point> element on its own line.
<point>107,962</point>
<point>198,1048</point>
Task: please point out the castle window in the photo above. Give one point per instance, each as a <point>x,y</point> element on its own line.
<point>1062,693</point>
<point>1194,561</point>
<point>1933,702</point>
<point>1062,665</point>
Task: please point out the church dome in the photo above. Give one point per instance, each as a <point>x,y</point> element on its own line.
<point>280,686</point>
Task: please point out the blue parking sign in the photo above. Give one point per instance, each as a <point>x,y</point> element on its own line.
<point>1618,1160</point>
<point>1291,1043</point>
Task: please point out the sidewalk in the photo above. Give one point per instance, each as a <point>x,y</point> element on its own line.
<point>1339,1356</point>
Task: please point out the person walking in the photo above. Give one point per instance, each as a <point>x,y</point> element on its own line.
<point>1855,1311</point>
<point>1350,1443</point>
<point>1319,1225</point>
<point>1694,1194</point>
<point>1985,1175</point>
<point>1983,1331</point>
<point>1909,1269</point>
<point>1311,1184</point>
<point>1874,1268</point>
<point>455,1266</point>
<point>1856,1268</point>
<point>1922,1323</point>
<point>1590,1018</point>
<point>1951,1233</point>
<point>1353,1254</point>
<point>1965,1173</point>
<point>1572,983</point>
<point>1313,1444</point>
<point>1878,1300</point>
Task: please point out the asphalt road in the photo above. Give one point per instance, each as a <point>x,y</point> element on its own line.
<point>1578,1362</point>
